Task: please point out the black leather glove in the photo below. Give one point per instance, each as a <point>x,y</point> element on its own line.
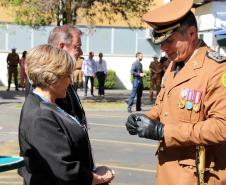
<point>142,125</point>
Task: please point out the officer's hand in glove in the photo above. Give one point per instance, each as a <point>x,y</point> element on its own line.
<point>140,124</point>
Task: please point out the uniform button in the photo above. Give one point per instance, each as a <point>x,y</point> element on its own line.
<point>166,114</point>
<point>161,148</point>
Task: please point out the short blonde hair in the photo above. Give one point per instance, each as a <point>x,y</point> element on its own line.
<point>46,64</point>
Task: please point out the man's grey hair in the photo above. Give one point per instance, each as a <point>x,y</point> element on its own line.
<point>62,34</point>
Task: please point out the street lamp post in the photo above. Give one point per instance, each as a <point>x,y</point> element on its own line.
<point>61,12</point>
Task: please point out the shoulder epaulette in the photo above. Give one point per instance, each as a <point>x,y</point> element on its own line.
<point>216,56</point>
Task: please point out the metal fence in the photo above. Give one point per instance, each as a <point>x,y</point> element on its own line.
<point>112,41</point>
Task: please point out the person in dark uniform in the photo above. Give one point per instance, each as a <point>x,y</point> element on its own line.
<point>54,144</point>
<point>13,60</point>
<point>189,117</point>
<point>137,74</point>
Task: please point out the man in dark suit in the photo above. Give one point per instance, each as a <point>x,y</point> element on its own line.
<point>67,37</point>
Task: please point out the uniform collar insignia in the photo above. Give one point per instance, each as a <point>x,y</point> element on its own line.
<point>195,63</point>
<point>216,56</point>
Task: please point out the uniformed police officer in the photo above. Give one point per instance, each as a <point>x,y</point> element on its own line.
<point>12,62</point>
<point>78,82</point>
<point>155,76</point>
<point>190,109</point>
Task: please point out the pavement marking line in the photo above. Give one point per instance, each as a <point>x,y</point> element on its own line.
<point>107,125</point>
<point>109,116</point>
<point>9,177</point>
<point>7,182</point>
<point>4,133</point>
<point>11,171</point>
<point>128,168</point>
<point>124,142</point>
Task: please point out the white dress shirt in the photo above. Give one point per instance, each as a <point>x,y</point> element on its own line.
<point>89,67</point>
<point>101,66</point>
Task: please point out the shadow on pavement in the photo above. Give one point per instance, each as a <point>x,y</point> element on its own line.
<point>117,96</point>
<point>11,94</point>
<point>8,102</point>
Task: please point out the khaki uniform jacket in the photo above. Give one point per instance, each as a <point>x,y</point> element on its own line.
<point>79,64</point>
<point>155,66</point>
<point>13,59</point>
<point>185,129</point>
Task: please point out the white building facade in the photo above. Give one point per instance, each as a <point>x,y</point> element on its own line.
<point>211,17</point>
<point>118,45</point>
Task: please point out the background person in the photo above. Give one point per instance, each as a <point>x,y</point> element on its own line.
<point>12,62</point>
<point>78,75</point>
<point>165,62</point>
<point>89,69</point>
<point>189,112</point>
<point>22,70</point>
<point>137,89</point>
<point>155,68</point>
<point>55,146</point>
<point>101,74</point>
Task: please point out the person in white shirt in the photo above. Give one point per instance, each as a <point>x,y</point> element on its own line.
<point>89,69</point>
<point>101,74</point>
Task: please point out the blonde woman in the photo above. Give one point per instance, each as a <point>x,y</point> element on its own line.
<point>54,144</point>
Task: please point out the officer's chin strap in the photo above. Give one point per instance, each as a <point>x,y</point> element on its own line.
<point>200,164</point>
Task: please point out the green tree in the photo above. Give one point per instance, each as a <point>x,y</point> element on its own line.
<point>44,12</point>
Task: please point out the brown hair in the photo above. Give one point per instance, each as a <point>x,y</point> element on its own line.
<point>138,53</point>
<point>46,64</point>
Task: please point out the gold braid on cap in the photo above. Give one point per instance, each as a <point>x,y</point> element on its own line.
<point>167,29</point>
<point>152,25</point>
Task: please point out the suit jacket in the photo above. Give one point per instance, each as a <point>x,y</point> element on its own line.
<point>71,103</point>
<point>55,147</point>
<point>185,128</point>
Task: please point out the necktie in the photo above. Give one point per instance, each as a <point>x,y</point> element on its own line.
<point>178,67</point>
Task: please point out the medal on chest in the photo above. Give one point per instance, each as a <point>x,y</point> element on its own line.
<point>197,99</point>
<point>182,99</point>
<point>190,98</point>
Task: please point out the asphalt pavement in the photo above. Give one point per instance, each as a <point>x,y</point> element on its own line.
<point>131,157</point>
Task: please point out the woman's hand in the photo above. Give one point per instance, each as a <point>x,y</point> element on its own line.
<point>103,175</point>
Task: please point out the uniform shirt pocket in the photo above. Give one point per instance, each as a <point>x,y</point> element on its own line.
<point>189,116</point>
